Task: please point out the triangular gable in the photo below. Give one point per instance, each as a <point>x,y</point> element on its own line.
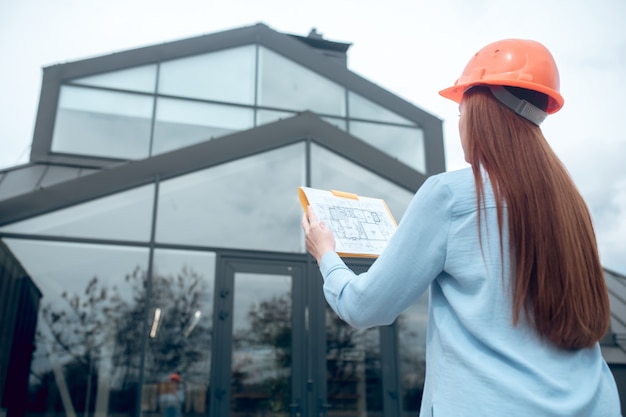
<point>286,45</point>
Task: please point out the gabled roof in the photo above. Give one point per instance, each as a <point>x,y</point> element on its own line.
<point>304,51</point>
<point>304,126</point>
<point>45,170</point>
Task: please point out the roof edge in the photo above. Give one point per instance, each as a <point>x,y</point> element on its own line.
<point>204,155</point>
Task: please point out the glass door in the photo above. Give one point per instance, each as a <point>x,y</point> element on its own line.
<point>261,326</point>
<point>353,363</point>
<point>280,351</point>
<point>354,382</point>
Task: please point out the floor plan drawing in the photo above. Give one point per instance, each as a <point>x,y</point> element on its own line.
<point>362,226</point>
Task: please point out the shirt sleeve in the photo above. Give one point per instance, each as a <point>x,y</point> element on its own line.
<point>414,257</point>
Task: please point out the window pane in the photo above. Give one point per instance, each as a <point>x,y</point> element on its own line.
<point>250,203</point>
<point>339,123</point>
<point>404,143</point>
<point>268,116</point>
<point>411,326</point>
<point>332,172</point>
<point>181,123</point>
<point>353,364</point>
<point>102,123</point>
<point>181,315</point>
<point>124,216</point>
<point>261,355</point>
<point>91,317</point>
<point>287,85</point>
<point>362,108</point>
<point>222,76</point>
<point>21,180</point>
<point>135,79</point>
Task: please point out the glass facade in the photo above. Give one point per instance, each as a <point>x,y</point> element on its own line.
<point>412,353</point>
<point>180,329</point>
<point>103,123</point>
<point>225,76</point>
<point>87,354</point>
<point>333,172</point>
<point>238,204</point>
<point>353,361</point>
<point>122,216</point>
<point>194,291</point>
<point>261,359</point>
<point>284,84</point>
<point>117,318</point>
<point>140,112</point>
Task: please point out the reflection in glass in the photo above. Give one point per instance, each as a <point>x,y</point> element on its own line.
<point>404,143</point>
<point>269,116</point>
<point>283,84</point>
<point>222,76</point>
<point>134,79</point>
<point>354,372</point>
<point>102,123</point>
<point>362,108</point>
<point>87,351</point>
<point>181,314</point>
<point>250,203</point>
<point>332,172</point>
<point>261,357</point>
<point>125,215</point>
<point>411,325</point>
<point>181,123</point>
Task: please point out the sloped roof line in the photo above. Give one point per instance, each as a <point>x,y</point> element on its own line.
<point>158,52</point>
<point>287,45</point>
<point>304,126</point>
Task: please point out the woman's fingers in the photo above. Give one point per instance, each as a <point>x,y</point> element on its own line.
<point>309,220</point>
<point>318,238</point>
<point>313,221</point>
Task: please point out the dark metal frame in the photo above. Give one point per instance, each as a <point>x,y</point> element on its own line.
<point>305,126</point>
<point>288,46</point>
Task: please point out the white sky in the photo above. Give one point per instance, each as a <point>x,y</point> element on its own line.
<point>412,48</point>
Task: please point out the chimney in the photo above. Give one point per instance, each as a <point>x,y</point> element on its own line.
<point>335,50</point>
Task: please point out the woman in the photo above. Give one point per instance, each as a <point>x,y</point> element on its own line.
<point>172,396</point>
<point>518,300</point>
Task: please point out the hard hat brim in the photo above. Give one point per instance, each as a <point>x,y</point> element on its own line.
<point>555,102</point>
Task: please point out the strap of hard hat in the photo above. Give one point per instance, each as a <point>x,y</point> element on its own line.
<point>520,106</point>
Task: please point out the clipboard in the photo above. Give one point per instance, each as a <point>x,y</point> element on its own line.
<point>362,226</point>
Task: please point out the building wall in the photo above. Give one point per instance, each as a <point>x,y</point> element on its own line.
<point>19,303</point>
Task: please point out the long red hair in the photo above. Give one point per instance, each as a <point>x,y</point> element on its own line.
<point>558,278</point>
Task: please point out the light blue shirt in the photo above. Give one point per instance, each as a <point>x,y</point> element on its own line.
<point>477,362</point>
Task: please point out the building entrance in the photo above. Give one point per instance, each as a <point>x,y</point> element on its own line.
<point>192,333</point>
<point>260,319</point>
<point>283,352</point>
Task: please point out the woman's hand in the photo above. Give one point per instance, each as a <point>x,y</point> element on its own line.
<point>319,238</point>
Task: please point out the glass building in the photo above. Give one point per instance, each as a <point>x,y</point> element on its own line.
<point>151,250</point>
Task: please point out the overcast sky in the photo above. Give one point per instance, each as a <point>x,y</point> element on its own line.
<point>412,48</point>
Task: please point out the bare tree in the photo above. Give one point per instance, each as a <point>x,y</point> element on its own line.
<point>105,323</point>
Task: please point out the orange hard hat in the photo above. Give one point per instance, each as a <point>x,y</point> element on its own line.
<point>175,377</point>
<point>514,63</point>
